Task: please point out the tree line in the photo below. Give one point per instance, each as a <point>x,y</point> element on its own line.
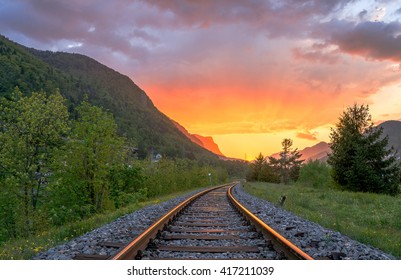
<point>360,159</point>
<point>281,169</point>
<point>59,165</point>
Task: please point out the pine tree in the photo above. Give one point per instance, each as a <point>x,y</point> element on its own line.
<point>288,164</point>
<point>256,168</point>
<point>360,158</point>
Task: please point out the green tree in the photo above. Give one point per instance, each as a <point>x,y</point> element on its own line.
<point>288,164</point>
<point>360,158</point>
<point>269,173</point>
<point>315,174</point>
<point>31,131</point>
<point>261,170</point>
<point>126,182</point>
<point>92,150</point>
<point>255,168</point>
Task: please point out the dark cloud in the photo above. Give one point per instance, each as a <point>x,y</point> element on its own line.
<point>316,56</point>
<point>100,27</point>
<point>362,15</point>
<point>48,21</point>
<point>135,27</point>
<point>156,30</point>
<point>177,31</point>
<point>373,40</point>
<point>290,18</point>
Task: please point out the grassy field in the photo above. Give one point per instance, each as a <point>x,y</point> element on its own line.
<point>26,248</point>
<point>369,218</point>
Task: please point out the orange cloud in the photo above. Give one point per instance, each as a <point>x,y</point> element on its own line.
<point>307,135</point>
<point>292,95</point>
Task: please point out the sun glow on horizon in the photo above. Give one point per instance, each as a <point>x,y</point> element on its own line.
<point>247,127</point>
<point>247,146</point>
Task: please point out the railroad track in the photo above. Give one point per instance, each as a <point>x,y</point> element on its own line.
<point>209,225</point>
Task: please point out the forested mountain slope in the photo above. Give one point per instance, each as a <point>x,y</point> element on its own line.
<point>76,75</point>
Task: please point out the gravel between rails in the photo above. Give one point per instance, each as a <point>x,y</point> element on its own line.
<point>318,242</point>
<point>216,213</point>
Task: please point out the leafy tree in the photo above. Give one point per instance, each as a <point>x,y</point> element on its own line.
<point>288,164</point>
<point>269,173</point>
<point>360,158</point>
<point>31,131</point>
<point>235,168</point>
<point>92,150</point>
<point>314,174</point>
<point>126,181</point>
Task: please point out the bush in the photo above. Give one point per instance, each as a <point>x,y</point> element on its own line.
<point>125,181</point>
<point>315,174</point>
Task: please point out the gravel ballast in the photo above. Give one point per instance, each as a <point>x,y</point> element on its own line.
<point>318,242</point>
<point>312,238</point>
<point>122,230</point>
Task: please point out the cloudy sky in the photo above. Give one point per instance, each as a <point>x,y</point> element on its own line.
<point>248,73</point>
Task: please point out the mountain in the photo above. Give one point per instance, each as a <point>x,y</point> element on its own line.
<point>187,134</point>
<point>78,75</point>
<point>393,130</point>
<point>206,142</point>
<point>320,151</point>
<point>209,144</point>
<point>316,152</point>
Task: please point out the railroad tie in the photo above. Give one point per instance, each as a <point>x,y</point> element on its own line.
<point>199,237</point>
<point>209,249</point>
<point>91,257</point>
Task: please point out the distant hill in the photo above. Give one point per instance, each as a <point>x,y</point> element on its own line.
<point>393,130</point>
<point>319,151</point>
<point>76,75</point>
<point>206,142</point>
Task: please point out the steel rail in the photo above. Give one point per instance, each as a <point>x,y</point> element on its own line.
<point>279,243</point>
<point>141,242</point>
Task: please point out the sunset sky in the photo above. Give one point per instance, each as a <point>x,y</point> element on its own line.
<point>248,73</point>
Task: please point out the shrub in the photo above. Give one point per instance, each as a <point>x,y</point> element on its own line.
<point>315,174</point>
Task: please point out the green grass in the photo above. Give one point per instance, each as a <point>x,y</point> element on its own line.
<point>372,219</point>
<point>26,248</point>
